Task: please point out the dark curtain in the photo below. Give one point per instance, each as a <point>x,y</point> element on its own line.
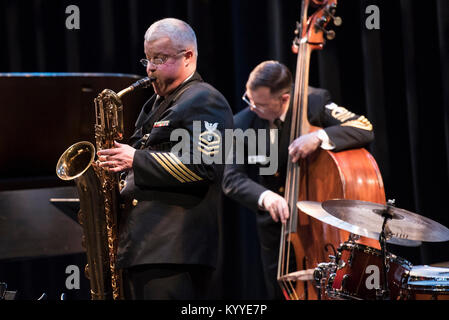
<point>398,76</point>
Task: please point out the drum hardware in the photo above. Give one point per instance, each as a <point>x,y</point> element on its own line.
<point>346,276</point>
<point>344,281</point>
<point>350,259</point>
<point>387,214</point>
<point>330,282</point>
<point>323,276</point>
<point>319,278</point>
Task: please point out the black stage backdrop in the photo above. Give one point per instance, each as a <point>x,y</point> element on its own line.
<point>397,75</point>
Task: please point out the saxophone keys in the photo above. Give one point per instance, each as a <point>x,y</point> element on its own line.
<point>86,271</point>
<point>122,184</point>
<point>83,242</point>
<point>81,217</point>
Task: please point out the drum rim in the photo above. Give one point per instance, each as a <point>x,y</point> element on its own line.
<point>370,250</point>
<point>427,288</point>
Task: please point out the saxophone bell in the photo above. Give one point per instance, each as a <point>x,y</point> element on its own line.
<point>75,160</point>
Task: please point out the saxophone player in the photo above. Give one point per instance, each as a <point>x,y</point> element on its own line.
<point>168,234</point>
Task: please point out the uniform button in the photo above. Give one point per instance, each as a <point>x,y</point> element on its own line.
<point>135,202</point>
<point>281,189</point>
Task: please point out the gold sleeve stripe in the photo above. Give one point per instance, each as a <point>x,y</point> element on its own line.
<point>172,158</point>
<point>361,123</point>
<point>166,168</point>
<point>176,168</point>
<point>184,167</point>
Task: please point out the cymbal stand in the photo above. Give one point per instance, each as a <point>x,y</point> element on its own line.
<point>384,293</point>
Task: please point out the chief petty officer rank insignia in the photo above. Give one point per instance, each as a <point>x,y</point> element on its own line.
<point>344,116</point>
<point>209,141</point>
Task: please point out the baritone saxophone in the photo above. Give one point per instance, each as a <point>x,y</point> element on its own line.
<point>98,190</point>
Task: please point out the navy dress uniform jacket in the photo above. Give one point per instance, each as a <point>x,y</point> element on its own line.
<point>171,202</point>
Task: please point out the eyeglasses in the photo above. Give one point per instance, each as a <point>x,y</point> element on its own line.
<point>248,102</point>
<point>159,60</point>
<point>245,98</point>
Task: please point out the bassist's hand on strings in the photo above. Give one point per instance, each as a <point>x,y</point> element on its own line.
<point>304,145</point>
<point>276,206</point>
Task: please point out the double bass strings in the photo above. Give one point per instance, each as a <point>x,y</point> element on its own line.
<point>292,180</point>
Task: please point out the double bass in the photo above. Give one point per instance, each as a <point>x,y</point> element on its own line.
<point>351,174</point>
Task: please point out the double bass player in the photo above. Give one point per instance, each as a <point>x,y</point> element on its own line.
<point>269,97</point>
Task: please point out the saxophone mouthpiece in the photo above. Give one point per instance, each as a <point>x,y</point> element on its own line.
<point>143,83</point>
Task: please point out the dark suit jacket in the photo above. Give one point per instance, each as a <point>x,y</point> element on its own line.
<point>171,198</point>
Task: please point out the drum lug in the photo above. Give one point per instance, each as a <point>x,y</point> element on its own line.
<point>318,277</point>
<point>344,281</point>
<point>330,282</point>
<point>323,270</point>
<point>341,264</point>
<point>351,258</point>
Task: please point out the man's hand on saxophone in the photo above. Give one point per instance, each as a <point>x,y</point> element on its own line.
<point>117,159</point>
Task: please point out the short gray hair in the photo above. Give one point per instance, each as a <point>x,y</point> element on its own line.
<point>178,31</point>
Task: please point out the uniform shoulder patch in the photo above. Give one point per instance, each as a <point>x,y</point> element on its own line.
<point>342,114</point>
<point>361,123</point>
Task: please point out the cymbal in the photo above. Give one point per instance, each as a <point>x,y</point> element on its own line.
<point>402,225</point>
<point>315,209</point>
<point>444,264</point>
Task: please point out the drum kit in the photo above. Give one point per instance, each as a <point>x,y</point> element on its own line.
<point>360,272</point>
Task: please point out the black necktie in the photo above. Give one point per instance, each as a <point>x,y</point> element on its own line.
<point>278,123</point>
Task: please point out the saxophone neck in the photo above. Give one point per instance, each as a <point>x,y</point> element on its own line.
<point>142,83</point>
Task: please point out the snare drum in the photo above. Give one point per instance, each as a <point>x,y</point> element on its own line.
<point>426,283</point>
<point>359,273</point>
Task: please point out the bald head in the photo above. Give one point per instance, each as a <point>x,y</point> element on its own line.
<point>181,35</point>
